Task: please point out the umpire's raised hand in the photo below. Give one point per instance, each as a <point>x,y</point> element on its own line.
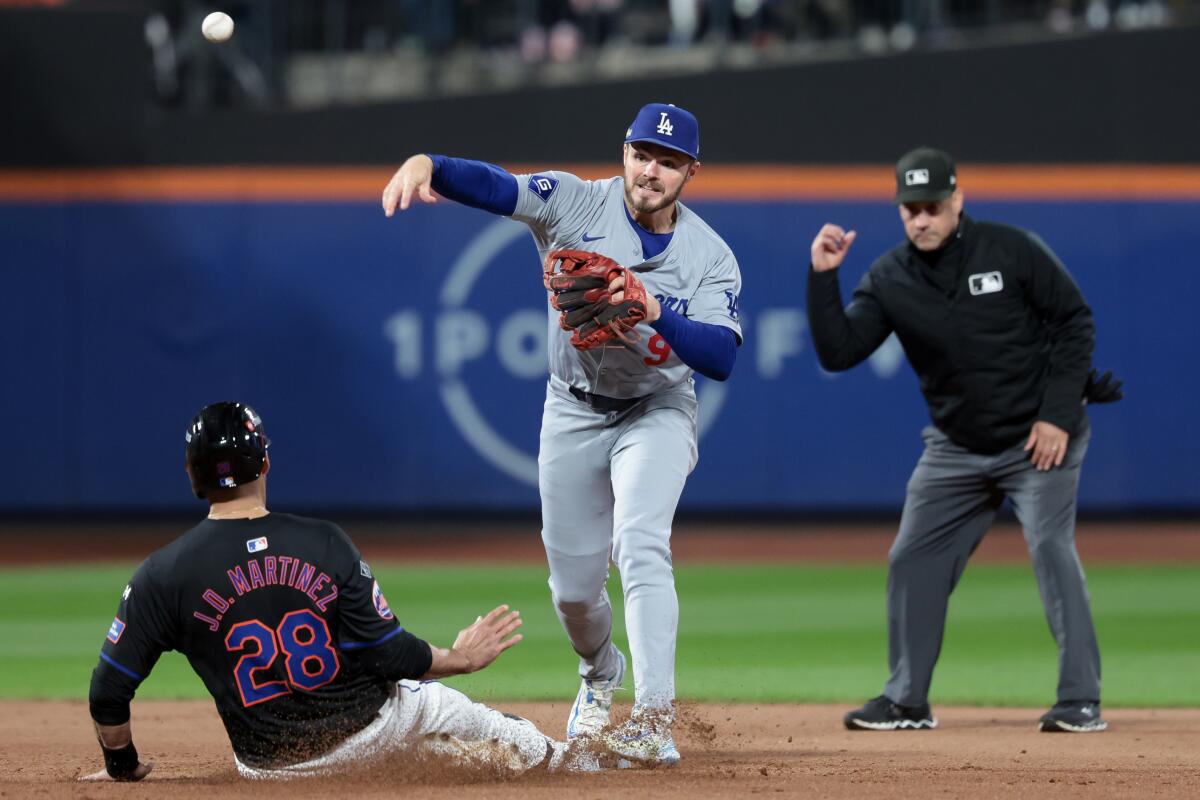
<point>830,247</point>
<point>414,176</point>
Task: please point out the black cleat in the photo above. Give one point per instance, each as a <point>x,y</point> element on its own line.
<point>881,714</point>
<point>1073,716</point>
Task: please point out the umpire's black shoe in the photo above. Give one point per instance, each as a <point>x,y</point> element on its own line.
<point>881,714</point>
<point>1073,716</point>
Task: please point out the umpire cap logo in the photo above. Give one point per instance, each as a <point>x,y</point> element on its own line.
<point>916,177</point>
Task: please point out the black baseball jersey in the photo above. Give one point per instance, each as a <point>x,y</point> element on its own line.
<point>282,620</point>
<point>992,323</point>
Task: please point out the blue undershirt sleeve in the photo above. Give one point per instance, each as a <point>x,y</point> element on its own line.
<point>475,183</point>
<point>708,349</point>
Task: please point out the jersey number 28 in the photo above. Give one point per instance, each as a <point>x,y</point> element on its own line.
<point>309,657</point>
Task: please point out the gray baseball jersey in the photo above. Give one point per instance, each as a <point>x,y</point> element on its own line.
<point>696,275</point>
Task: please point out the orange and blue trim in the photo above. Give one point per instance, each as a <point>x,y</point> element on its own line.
<point>748,182</point>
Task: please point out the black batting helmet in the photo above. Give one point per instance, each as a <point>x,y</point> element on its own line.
<point>226,447</point>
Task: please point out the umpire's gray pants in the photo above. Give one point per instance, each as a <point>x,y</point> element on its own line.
<point>953,496</point>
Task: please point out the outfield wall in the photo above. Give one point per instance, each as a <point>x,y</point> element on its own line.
<point>396,372</point>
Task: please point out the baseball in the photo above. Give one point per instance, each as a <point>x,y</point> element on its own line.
<point>217,27</point>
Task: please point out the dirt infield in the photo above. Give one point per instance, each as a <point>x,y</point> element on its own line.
<point>520,542</point>
<point>729,751</point>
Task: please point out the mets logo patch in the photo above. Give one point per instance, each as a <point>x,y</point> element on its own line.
<point>543,186</point>
<point>115,630</point>
<point>381,604</point>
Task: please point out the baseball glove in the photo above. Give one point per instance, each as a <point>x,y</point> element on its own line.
<point>578,282</point>
<point>1102,388</point>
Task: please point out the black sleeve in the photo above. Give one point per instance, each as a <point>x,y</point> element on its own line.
<point>1057,300</point>
<point>369,632</point>
<point>399,656</point>
<point>844,337</point>
<point>139,634</point>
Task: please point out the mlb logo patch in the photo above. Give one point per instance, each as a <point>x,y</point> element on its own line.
<point>381,603</point>
<point>227,482</point>
<point>115,630</point>
<point>543,186</point>
<point>986,283</point>
<point>254,545</point>
<point>916,177</point>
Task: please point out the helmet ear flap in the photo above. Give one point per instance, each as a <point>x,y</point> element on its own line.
<point>196,488</point>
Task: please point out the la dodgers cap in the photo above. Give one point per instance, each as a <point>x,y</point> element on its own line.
<point>925,175</point>
<point>668,125</point>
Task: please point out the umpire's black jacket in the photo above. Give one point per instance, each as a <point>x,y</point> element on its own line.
<point>993,324</point>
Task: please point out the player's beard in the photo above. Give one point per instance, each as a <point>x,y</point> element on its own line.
<point>645,206</point>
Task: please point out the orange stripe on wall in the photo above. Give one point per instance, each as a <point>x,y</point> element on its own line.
<point>748,182</point>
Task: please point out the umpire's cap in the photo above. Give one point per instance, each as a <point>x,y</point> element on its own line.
<point>925,175</point>
<point>668,125</point>
<point>226,447</point>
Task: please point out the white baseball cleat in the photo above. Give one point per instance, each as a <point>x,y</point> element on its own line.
<point>645,738</point>
<point>593,704</point>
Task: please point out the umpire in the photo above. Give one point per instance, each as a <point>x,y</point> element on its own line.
<point>1001,339</point>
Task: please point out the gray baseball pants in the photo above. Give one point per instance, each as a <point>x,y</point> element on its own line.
<point>609,486</point>
<point>952,499</point>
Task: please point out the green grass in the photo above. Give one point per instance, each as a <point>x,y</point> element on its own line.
<point>790,633</point>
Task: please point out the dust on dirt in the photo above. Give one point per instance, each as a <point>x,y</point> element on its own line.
<point>728,750</point>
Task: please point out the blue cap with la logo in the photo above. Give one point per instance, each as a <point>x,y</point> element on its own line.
<point>668,125</point>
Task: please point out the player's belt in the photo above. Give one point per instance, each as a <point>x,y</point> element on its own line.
<point>607,405</point>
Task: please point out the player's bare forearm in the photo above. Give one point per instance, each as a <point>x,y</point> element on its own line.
<point>120,758</point>
<point>447,662</point>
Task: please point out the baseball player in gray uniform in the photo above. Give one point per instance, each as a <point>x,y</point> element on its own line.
<point>618,436</point>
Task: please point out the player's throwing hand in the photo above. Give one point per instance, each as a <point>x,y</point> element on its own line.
<point>414,176</point>
<point>830,247</point>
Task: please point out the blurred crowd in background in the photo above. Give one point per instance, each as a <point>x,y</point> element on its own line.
<point>310,53</point>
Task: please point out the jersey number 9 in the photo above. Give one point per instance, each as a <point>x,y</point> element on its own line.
<point>659,349</point>
<point>309,657</point>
